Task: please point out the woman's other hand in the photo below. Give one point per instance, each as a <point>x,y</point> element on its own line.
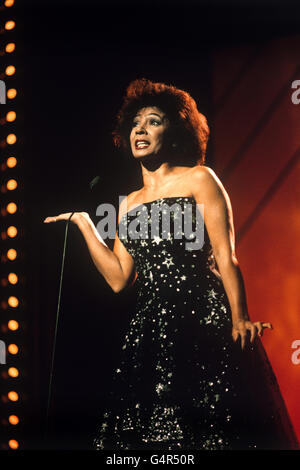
<point>65,216</point>
<point>240,329</point>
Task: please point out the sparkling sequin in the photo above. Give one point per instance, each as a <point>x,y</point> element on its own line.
<point>181,380</point>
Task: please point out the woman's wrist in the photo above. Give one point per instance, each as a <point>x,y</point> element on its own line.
<point>239,308</point>
<point>79,218</point>
<point>241,316</point>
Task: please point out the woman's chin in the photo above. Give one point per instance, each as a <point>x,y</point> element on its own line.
<point>144,156</point>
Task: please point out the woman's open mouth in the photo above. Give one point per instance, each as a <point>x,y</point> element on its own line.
<point>141,144</point>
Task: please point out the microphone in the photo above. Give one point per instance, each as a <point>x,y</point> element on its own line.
<point>94,182</point>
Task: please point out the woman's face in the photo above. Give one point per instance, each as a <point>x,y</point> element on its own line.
<point>147,132</point>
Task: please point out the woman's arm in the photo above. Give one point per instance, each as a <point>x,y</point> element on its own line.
<point>208,190</point>
<point>115,266</point>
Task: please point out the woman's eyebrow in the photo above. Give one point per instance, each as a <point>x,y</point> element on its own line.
<point>149,115</point>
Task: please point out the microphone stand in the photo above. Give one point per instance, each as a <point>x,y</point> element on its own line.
<point>56,323</point>
<point>92,184</point>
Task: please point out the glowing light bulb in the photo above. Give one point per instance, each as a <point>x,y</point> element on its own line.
<point>13,396</point>
<point>11,116</point>
<point>11,208</point>
<point>13,278</point>
<point>13,444</point>
<point>11,254</point>
<point>13,419</point>
<point>11,162</point>
<point>11,139</point>
<point>13,301</point>
<point>11,184</point>
<point>11,93</point>
<point>13,372</point>
<point>12,231</point>
<point>13,325</point>
<point>13,349</point>
<point>9,25</point>
<point>10,47</point>
<point>10,70</point>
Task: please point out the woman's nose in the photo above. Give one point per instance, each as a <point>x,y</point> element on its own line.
<point>140,129</point>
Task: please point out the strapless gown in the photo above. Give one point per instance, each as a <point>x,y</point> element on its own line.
<point>182,383</point>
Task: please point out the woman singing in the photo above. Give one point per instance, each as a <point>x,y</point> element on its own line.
<point>193,373</point>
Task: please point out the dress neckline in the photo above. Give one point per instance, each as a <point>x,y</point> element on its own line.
<point>156,200</point>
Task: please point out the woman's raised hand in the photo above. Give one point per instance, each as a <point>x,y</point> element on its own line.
<point>66,216</point>
<point>240,329</point>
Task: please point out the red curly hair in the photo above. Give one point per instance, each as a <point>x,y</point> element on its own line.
<point>188,127</point>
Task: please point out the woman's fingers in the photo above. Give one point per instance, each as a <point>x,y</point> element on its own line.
<point>259,328</point>
<point>48,220</point>
<point>240,332</point>
<point>64,216</point>
<point>243,338</point>
<point>253,330</point>
<point>256,328</point>
<point>267,325</point>
<point>235,335</point>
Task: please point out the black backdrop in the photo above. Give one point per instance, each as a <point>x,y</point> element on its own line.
<point>78,59</point>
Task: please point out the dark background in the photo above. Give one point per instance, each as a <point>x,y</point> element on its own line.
<point>76,60</point>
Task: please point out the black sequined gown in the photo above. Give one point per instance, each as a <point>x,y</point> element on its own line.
<point>182,383</point>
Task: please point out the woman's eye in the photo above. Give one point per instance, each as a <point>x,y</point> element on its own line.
<point>152,121</point>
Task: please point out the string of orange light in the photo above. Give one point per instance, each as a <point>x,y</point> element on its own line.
<point>10,234</point>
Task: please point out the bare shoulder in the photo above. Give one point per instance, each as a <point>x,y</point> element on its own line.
<point>203,173</point>
<point>205,183</point>
<point>126,203</point>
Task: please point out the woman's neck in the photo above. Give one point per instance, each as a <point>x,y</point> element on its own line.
<point>161,177</point>
<point>155,178</point>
